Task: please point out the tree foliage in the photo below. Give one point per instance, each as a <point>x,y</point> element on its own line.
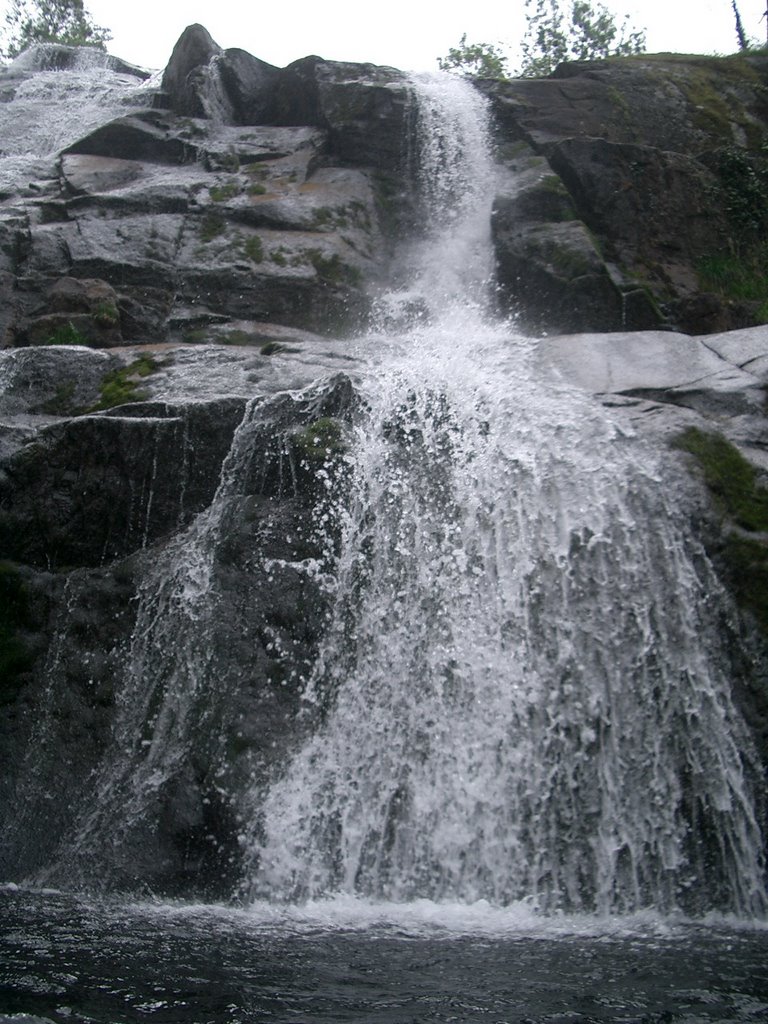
<point>584,30</point>
<point>478,60</point>
<point>557,30</point>
<point>49,21</point>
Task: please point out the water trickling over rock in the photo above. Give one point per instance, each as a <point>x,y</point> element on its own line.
<point>521,691</point>
<point>434,629</point>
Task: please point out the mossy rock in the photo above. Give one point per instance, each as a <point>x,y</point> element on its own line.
<point>121,387</point>
<point>742,502</point>
<point>731,479</point>
<point>319,443</point>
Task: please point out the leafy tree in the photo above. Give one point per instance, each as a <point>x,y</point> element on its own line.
<point>586,30</point>
<point>576,30</point>
<point>477,60</point>
<point>49,21</point>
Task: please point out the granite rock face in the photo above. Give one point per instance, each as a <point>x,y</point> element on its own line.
<point>652,158</point>
<point>235,190</point>
<point>176,393</point>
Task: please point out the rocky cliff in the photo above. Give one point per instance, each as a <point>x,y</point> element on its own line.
<point>180,263</point>
<point>646,194</point>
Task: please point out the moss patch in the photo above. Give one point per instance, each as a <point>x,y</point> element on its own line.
<point>742,278</point>
<point>742,501</point>
<point>729,476</point>
<point>213,225</point>
<point>254,249</point>
<point>739,271</point>
<point>122,386</point>
<point>322,441</point>
<point>67,334</point>
<point>332,269</point>
<point>222,193</point>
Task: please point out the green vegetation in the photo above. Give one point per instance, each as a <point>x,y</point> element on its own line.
<point>222,193</point>
<point>740,270</point>
<point>583,31</point>
<point>332,269</point>
<point>196,336</point>
<point>67,334</point>
<point>254,249</point>
<point>742,501</point>
<point>106,314</point>
<point>231,161</point>
<point>15,656</point>
<point>236,338</point>
<point>49,21</point>
<point>258,170</point>
<point>257,189</point>
<point>730,477</point>
<point>477,60</point>
<point>326,217</point>
<point>735,277</point>
<point>213,225</point>
<point>555,32</point>
<point>122,386</point>
<point>269,348</point>
<point>322,441</point>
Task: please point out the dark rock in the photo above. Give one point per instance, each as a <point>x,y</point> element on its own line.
<point>256,640</point>
<point>249,85</point>
<point>142,136</point>
<point>364,107</point>
<point>97,488</point>
<point>192,52</point>
<point>56,381</point>
<point>634,143</point>
<point>548,264</point>
<point>76,311</point>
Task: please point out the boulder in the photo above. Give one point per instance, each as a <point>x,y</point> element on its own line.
<point>192,52</point>
<point>653,153</point>
<point>363,106</point>
<point>77,311</point>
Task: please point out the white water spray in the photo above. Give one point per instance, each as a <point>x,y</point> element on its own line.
<point>522,690</point>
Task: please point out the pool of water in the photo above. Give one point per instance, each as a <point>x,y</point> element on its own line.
<point>65,957</point>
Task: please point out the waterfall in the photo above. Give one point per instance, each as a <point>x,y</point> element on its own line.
<point>31,126</point>
<point>521,692</point>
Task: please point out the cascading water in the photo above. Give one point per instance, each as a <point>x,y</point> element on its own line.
<point>521,692</point>
<point>32,126</point>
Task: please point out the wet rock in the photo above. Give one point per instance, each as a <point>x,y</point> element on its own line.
<point>96,488</point>
<point>644,148</point>
<point>54,381</point>
<point>364,107</point>
<point>77,311</point>
<point>192,53</point>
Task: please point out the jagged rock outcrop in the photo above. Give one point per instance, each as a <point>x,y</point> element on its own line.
<point>636,195</point>
<point>663,182</point>
<point>237,191</point>
<point>171,277</point>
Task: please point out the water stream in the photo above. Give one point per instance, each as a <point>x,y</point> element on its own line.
<point>526,793</point>
<point>523,691</point>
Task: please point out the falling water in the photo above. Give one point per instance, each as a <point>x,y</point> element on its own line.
<point>32,126</point>
<point>522,693</point>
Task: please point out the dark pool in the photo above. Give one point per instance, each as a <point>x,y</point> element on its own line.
<point>66,958</point>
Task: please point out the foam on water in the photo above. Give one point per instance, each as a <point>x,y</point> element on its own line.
<point>522,688</point>
<point>523,697</point>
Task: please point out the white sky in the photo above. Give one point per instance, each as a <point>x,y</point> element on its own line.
<point>407,34</point>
